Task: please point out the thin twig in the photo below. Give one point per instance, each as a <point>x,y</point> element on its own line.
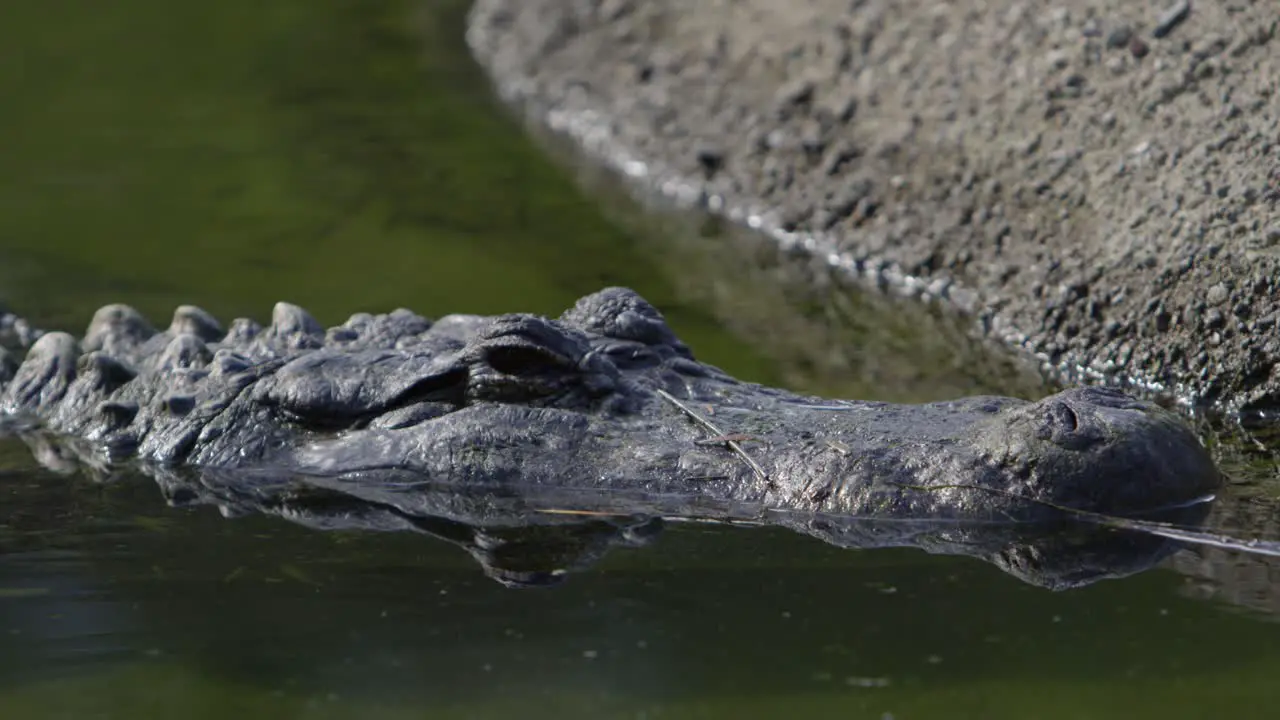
<point>733,444</point>
<point>838,447</point>
<point>722,439</point>
<point>588,513</point>
<point>1254,546</point>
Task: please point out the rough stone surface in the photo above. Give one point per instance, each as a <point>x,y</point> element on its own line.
<point>1097,183</point>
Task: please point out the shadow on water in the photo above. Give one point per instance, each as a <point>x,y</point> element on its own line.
<point>116,603</point>
<point>525,535</point>
<point>347,156</point>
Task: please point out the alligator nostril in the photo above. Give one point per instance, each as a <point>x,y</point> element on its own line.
<point>1058,422</point>
<point>1066,417</point>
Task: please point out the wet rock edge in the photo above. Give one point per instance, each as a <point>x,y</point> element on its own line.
<point>1147,262</point>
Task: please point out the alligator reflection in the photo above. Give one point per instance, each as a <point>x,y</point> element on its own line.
<point>536,537</point>
<point>1244,579</point>
<point>533,539</point>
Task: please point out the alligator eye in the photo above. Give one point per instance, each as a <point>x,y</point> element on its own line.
<point>522,360</point>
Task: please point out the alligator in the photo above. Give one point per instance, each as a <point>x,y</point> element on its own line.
<point>605,400</point>
<point>532,537</point>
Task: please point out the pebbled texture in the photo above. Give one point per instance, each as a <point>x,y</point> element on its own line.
<point>600,401</point>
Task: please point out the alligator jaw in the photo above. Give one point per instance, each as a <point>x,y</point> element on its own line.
<point>604,399</point>
<point>978,459</point>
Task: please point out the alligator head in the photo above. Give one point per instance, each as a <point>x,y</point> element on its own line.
<point>605,399</point>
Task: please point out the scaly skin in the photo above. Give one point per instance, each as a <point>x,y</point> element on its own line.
<point>387,404</point>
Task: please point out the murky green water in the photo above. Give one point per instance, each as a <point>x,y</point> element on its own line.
<point>346,156</point>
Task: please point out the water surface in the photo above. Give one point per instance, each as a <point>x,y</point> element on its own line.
<point>347,156</point>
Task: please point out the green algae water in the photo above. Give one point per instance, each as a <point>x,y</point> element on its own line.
<point>347,156</point>
<point>340,155</point>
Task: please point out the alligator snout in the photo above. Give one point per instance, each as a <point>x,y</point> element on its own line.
<point>1100,450</point>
